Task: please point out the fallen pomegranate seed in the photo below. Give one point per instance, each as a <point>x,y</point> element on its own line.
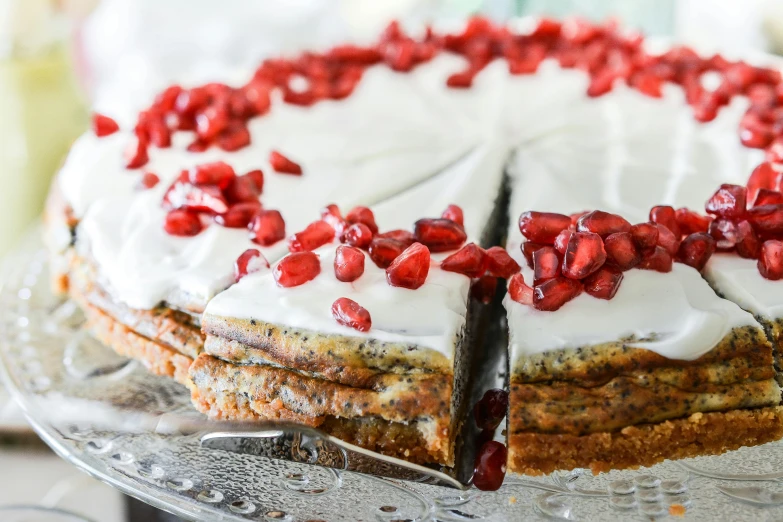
<point>402,236</point>
<point>470,260</point>
<point>748,244</point>
<point>358,235</point>
<point>604,283</point>
<point>696,249</point>
<point>728,202</point>
<point>409,269</point>
<point>658,259</point>
<point>554,293</point>
<point>251,260</point>
<point>490,466</point>
<point>668,240</point>
<point>149,180</point>
<point>103,125</point>
<point>218,173</point>
<point>584,255</point>
<point>724,232</point>
<point>234,137</point>
<point>763,177</point>
<point>246,188</point>
<point>453,213</point>
<point>546,264</point>
<point>484,288</point>
<point>768,197</point>
<point>238,215</point>
<point>770,262</point>
<point>348,263</point>
<point>528,249</point>
<point>267,227</point>
<point>297,269</point>
<point>543,227</point>
<point>362,215</point>
<point>383,251</point>
<point>645,235</point>
<point>491,409</point>
<point>666,216</point>
<point>182,222</point>
<point>691,222</point>
<point>767,220</point>
<point>602,223</point>
<point>621,251</point>
<point>349,313</point>
<point>204,198</point>
<point>561,241</point>
<point>136,153</point>
<point>315,235</point>
<point>519,291</point>
<point>500,264</point>
<point>283,165</point>
<point>439,235</point>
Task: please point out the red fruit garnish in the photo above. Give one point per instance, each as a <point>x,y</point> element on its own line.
<point>603,284</point>
<point>490,410</point>
<point>668,240</point>
<point>483,289</point>
<point>774,152</point>
<point>136,153</point>
<point>453,213</point>
<point>149,180</point>
<point>218,173</point>
<point>190,100</point>
<point>696,249</point>
<point>358,235</point>
<point>754,133</point>
<point>267,227</point>
<point>316,234</point>
<point>546,264</point>
<point>728,202</point>
<point>748,243</point>
<point>182,222</point>
<point>211,121</point>
<point>204,198</point>
<point>724,232</point>
<point>490,466</point>
<point>575,218</point>
<point>439,235</point>
<point>297,269</point>
<point>383,251</point>
<point>602,223</point>
<point>691,222</point>
<point>658,259</point>
<point>239,215</point>
<point>554,293</point>
<point>362,215</point>
<point>768,197</point>
<point>645,235</point>
<point>348,263</point>
<point>409,269</point>
<point>349,313</point>
<point>284,165</point>
<point>103,125</point>
<point>519,291</point>
<point>767,220</point>
<point>584,255</point>
<point>234,137</point>
<point>470,260</point>
<point>160,135</point>
<point>666,216</point>
<point>528,249</point>
<point>402,236</point>
<point>561,241</point>
<point>500,264</point>
<point>621,251</point>
<point>601,82</point>
<point>543,227</point>
<point>244,189</point>
<point>763,177</point>
<point>770,262</point>
<point>331,214</point>
<point>251,260</point>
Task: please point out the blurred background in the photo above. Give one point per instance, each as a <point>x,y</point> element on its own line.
<point>61,58</point>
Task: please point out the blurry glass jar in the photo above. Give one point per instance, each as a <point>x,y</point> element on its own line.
<point>41,112</point>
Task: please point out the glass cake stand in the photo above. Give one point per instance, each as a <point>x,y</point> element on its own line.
<point>109,417</point>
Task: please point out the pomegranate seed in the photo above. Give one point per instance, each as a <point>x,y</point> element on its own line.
<point>245,188</point>
<point>756,137</point>
<point>666,216</point>
<point>103,125</point>
<point>724,232</point>
<point>768,197</point>
<point>546,264</point>
<point>358,235</point>
<point>740,74</point>
<point>284,165</point>
<point>528,249</point>
<point>490,466</point>
<point>349,313</point>
<point>409,269</point>
<point>348,263</point>
<point>297,269</point>
<point>767,220</point>
<point>218,173</point>
<point>658,259</point>
<point>165,101</point>
<point>149,180</point>
<point>691,222</point>
<point>354,54</point>
<point>234,137</point>
<point>519,291</point>
<point>199,145</point>
<point>182,222</point>
<point>403,236</point>
<point>160,135</point>
<point>470,260</point>
<point>668,240</point>
<point>770,262</point>
<point>575,218</point>
<point>774,153</point>
<point>136,153</point>
<point>205,198</point>
<point>696,249</point>
<point>561,241</point>
<point>399,55</point>
<point>491,409</point>
<point>453,213</point>
<point>267,227</point>
<point>211,122</point>
<point>191,100</point>
<point>762,177</point>
<point>238,215</point>
<point>648,84</point>
<point>251,260</point>
<point>603,283</point>
<point>748,244</point>
<point>543,227</point>
<point>484,288</point>
<point>602,223</point>
<point>500,264</point>
<point>315,235</point>
<point>601,82</point>
<point>331,214</point>
<point>728,202</point>
<point>621,251</point>
<point>439,235</point>
<point>362,215</point>
<point>383,251</point>
<point>554,293</point>
<point>546,28</point>
<point>645,235</point>
<point>584,255</point>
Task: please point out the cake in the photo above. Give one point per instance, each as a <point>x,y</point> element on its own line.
<point>316,245</point>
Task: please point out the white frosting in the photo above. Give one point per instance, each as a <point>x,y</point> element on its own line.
<point>739,280</point>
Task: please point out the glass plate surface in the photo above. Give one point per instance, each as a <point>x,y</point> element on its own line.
<point>64,380</point>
